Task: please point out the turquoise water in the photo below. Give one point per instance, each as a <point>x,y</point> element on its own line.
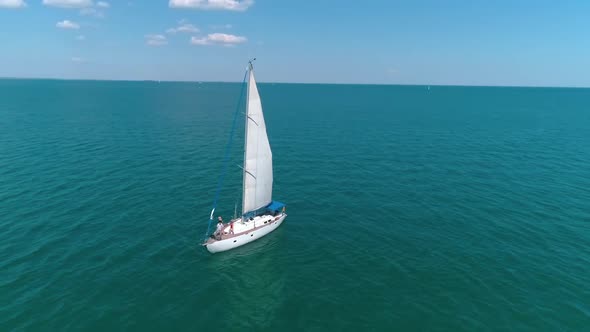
<point>458,209</point>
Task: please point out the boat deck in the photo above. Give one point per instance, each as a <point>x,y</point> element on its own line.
<point>244,227</point>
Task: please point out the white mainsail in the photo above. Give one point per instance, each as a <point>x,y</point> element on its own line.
<point>257,156</point>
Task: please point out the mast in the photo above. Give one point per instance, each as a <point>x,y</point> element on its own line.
<point>258,175</point>
<point>250,68</point>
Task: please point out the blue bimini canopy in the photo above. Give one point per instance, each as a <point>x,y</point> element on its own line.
<point>275,206</point>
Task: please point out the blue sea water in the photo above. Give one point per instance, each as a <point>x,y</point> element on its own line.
<point>449,209</point>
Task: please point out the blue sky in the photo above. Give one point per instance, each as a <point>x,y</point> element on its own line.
<point>531,43</point>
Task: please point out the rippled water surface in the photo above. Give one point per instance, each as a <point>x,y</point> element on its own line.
<point>455,208</point>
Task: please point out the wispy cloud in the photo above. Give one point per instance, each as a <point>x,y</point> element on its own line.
<point>91,12</point>
<point>218,39</point>
<point>13,4</point>
<point>68,3</point>
<point>86,7</point>
<point>81,37</point>
<point>237,5</point>
<point>78,59</point>
<point>220,26</point>
<point>97,10</point>
<point>66,24</point>
<point>183,26</point>
<point>156,40</point>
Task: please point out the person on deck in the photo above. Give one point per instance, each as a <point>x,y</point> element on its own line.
<point>219,229</point>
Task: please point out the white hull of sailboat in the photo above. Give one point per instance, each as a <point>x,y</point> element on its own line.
<point>242,238</point>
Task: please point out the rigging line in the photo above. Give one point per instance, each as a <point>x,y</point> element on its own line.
<point>226,157</point>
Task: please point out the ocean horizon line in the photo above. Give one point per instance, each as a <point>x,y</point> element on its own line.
<point>301,83</point>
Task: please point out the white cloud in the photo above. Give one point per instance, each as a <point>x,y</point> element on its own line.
<point>199,41</point>
<point>218,39</point>
<point>156,40</point>
<point>77,59</point>
<point>12,4</point>
<point>238,5</point>
<point>226,38</point>
<point>66,24</point>
<point>183,27</point>
<point>68,3</point>
<point>81,38</point>
<point>96,11</point>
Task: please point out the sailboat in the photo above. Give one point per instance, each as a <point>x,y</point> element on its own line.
<point>260,214</point>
